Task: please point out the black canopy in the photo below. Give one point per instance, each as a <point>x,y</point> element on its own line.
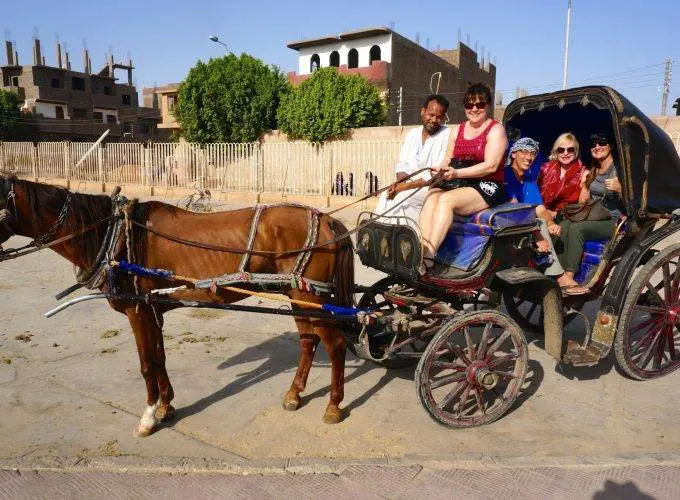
<point>648,162</point>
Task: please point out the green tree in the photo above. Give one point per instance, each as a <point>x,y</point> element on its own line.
<point>328,104</point>
<point>9,112</point>
<point>230,99</point>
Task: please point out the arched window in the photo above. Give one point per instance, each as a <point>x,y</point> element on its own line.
<point>315,63</point>
<point>374,54</point>
<point>335,59</point>
<point>353,58</point>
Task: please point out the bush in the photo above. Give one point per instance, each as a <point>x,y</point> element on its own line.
<point>230,99</point>
<point>9,112</point>
<point>328,104</point>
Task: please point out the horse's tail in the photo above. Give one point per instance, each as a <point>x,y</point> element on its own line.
<point>343,274</point>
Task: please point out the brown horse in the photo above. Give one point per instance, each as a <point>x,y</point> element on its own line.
<point>34,210</point>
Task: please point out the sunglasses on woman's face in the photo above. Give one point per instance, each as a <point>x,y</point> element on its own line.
<point>598,142</point>
<point>570,149</point>
<point>478,105</point>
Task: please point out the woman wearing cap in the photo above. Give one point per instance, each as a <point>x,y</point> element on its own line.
<point>476,183</point>
<point>603,184</point>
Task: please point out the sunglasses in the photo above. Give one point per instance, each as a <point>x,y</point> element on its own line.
<point>478,105</point>
<point>570,149</point>
<point>599,142</point>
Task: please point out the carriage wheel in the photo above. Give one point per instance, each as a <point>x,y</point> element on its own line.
<point>473,370</point>
<point>374,297</point>
<point>529,314</point>
<point>647,342</point>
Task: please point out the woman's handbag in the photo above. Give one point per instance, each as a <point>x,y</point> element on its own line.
<point>593,210</point>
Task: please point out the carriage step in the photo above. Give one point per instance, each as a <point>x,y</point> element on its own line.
<point>580,356</point>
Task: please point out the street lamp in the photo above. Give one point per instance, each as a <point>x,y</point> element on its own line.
<point>214,38</point>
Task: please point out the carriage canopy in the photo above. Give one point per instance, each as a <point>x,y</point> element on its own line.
<point>647,160</point>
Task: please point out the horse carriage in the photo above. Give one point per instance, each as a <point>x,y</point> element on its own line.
<point>472,358</point>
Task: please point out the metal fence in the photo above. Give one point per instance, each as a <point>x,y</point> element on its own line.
<point>341,168</point>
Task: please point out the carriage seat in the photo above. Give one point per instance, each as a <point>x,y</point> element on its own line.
<point>491,220</point>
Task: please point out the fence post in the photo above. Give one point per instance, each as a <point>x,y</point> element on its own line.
<point>327,176</point>
<point>100,166</point>
<point>2,157</point>
<point>34,163</point>
<point>67,164</point>
<point>259,166</point>
<point>148,167</point>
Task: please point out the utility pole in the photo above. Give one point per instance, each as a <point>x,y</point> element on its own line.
<point>566,47</point>
<point>400,107</point>
<point>668,73</point>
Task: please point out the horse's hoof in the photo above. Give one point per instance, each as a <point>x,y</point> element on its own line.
<point>291,402</point>
<point>165,413</point>
<point>142,431</point>
<point>332,416</point>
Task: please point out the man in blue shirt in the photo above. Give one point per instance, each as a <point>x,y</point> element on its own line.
<point>521,174</point>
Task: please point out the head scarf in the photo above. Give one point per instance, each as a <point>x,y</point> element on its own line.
<point>523,144</point>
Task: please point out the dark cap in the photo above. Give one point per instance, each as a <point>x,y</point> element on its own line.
<point>598,136</point>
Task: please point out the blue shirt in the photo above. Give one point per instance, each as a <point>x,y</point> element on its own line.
<point>526,191</point>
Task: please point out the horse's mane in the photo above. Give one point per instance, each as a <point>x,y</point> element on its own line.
<point>85,209</point>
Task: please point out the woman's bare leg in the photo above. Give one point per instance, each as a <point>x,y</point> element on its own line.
<point>461,201</point>
<point>427,216</point>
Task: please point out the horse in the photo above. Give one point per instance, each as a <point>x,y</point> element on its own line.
<point>161,236</point>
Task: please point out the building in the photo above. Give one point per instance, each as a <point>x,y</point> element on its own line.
<point>76,105</point>
<point>163,99</point>
<point>402,70</point>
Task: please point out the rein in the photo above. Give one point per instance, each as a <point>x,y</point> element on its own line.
<point>208,246</point>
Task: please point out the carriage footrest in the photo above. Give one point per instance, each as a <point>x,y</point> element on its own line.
<point>578,356</point>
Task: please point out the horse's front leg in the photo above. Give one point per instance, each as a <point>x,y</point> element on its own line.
<point>308,344</point>
<point>149,338</point>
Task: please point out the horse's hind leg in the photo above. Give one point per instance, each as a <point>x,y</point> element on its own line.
<point>149,339</point>
<point>308,344</point>
<point>334,342</point>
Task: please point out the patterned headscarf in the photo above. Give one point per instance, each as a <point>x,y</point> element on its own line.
<point>523,144</point>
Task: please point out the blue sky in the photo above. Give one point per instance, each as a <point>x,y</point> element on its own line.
<point>622,43</point>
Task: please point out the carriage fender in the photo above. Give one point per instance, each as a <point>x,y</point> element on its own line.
<point>544,288</point>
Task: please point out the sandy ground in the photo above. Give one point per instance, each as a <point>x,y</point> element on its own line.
<point>70,387</point>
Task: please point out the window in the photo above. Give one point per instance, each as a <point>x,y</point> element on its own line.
<point>128,128</point>
<point>15,81</point>
<point>353,59</point>
<point>55,83</point>
<point>59,113</point>
<point>335,59</point>
<point>108,90</point>
<point>146,129</point>
<point>77,83</point>
<point>315,63</point>
<point>79,113</point>
<point>112,119</point>
<point>126,99</point>
<point>374,54</point>
<point>98,115</point>
<point>172,100</point>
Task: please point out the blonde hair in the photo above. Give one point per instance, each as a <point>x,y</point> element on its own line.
<point>569,136</point>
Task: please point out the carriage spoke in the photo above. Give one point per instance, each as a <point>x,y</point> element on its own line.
<point>455,392</point>
<point>649,352</point>
<point>501,359</point>
<point>483,341</point>
<point>643,340</point>
<point>670,339</point>
<point>497,343</point>
<point>468,340</point>
<point>456,377</point>
<point>667,281</point>
<point>464,399</point>
<point>480,400</point>
<point>532,309</point>
<point>650,309</point>
<point>655,293</point>
<point>676,279</point>
<point>459,352</point>
<point>505,374</point>
<point>443,365</point>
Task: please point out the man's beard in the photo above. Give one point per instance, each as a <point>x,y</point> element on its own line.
<point>431,128</point>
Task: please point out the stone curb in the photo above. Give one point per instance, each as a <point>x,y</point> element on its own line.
<point>130,463</point>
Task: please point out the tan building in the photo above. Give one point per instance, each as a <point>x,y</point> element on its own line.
<point>401,69</point>
<point>163,98</point>
<point>76,105</point>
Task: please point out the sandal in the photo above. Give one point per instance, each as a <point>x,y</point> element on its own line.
<point>574,290</point>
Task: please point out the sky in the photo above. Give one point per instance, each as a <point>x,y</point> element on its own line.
<point>622,43</point>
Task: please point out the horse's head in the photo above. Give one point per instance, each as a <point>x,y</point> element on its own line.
<point>7,207</point>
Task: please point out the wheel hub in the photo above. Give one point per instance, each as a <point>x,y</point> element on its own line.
<point>672,315</point>
<point>478,373</point>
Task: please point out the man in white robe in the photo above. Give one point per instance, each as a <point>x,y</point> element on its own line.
<point>424,147</point>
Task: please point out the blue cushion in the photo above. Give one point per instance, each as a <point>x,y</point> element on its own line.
<point>493,219</point>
